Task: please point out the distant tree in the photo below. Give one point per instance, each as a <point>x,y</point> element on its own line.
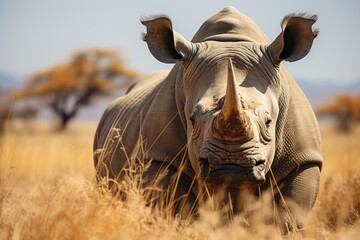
<point>24,113</point>
<point>345,108</point>
<point>3,119</point>
<point>68,87</point>
<point>4,110</point>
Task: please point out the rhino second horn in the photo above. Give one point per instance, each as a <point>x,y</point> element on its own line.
<point>232,123</point>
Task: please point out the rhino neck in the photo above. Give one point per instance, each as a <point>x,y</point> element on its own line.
<point>230,25</point>
<point>163,125</point>
<point>179,93</point>
<point>297,131</point>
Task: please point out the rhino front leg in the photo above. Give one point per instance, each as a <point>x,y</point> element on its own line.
<point>166,188</point>
<point>299,191</point>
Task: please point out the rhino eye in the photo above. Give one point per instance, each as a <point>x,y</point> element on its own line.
<point>192,119</point>
<point>268,122</point>
<point>220,103</point>
<point>199,110</point>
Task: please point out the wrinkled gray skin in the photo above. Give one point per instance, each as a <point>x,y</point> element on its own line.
<point>227,116</point>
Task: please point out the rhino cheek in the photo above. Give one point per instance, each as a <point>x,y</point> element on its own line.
<point>270,150</point>
<point>193,156</point>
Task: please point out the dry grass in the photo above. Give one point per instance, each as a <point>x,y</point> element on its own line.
<point>47,191</point>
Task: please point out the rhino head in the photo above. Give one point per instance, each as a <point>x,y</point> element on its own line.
<point>230,79</point>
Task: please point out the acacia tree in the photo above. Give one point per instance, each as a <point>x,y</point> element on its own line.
<point>345,108</point>
<point>4,110</point>
<point>68,87</point>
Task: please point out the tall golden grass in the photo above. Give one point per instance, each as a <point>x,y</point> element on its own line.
<point>47,191</point>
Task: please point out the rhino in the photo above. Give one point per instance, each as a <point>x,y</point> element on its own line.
<point>227,117</point>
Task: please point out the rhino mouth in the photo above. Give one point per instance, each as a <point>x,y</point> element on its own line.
<point>232,176</point>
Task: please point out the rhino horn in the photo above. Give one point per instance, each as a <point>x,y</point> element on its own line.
<point>232,123</point>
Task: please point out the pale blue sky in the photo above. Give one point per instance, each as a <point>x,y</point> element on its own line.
<point>36,34</point>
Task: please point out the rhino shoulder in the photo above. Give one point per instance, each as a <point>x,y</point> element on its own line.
<point>127,108</point>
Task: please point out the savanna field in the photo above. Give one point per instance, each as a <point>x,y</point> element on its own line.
<point>47,191</point>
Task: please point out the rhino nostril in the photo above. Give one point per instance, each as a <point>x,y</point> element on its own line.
<point>260,162</point>
<point>204,167</point>
<point>256,163</point>
<point>260,165</point>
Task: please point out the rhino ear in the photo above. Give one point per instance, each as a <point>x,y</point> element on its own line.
<point>164,43</point>
<point>296,38</point>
